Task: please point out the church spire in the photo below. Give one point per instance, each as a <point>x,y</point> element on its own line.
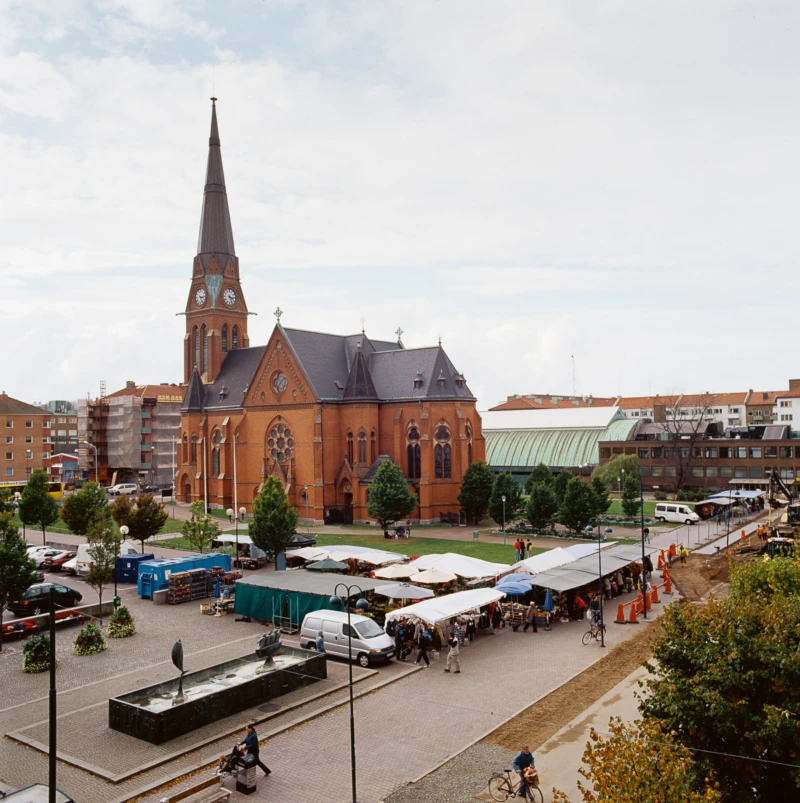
<point>216,232</point>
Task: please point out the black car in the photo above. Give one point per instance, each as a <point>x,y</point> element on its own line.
<point>36,599</point>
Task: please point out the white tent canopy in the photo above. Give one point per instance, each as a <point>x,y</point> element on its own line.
<point>543,561</point>
<point>582,550</point>
<point>461,565</point>
<point>441,608</point>
<point>375,557</point>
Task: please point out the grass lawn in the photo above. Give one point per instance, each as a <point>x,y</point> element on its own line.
<point>57,527</point>
<point>614,508</point>
<point>496,553</point>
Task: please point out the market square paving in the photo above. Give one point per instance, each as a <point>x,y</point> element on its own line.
<point>407,719</point>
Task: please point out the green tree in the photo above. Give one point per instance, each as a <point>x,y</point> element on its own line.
<point>476,489</point>
<point>274,519</point>
<point>78,510</point>
<point>103,549</point>
<point>578,505</point>
<point>17,571</point>
<point>725,681</point>
<point>145,517</point>
<point>542,507</point>
<point>560,483</point>
<point>505,485</point>
<point>541,475</point>
<point>36,506</point>
<point>608,472</point>
<point>201,529</point>
<point>639,762</point>
<point>389,496</point>
<point>6,501</point>
<point>601,495</point>
<point>630,495</point>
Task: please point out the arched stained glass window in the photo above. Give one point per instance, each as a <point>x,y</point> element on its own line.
<point>362,446</point>
<point>235,338</point>
<point>196,347</point>
<point>205,349</point>
<point>224,338</point>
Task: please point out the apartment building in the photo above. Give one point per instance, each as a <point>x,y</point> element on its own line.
<point>64,416</point>
<point>26,439</point>
<point>134,431</point>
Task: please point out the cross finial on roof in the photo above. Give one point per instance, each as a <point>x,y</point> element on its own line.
<point>363,321</point>
<point>399,333</point>
<point>213,101</point>
<point>278,312</point>
<point>440,340</point>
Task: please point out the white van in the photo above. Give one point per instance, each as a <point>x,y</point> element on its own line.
<point>667,511</point>
<point>82,562</point>
<point>370,644</point>
<point>123,488</point>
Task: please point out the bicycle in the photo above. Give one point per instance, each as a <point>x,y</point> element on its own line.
<point>593,632</point>
<point>501,787</point>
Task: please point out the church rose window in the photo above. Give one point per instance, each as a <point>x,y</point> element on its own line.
<point>279,383</point>
<point>280,443</point>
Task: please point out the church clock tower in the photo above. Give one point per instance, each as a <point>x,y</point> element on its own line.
<point>216,313</point>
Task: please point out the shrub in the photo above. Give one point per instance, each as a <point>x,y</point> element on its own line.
<point>660,496</point>
<point>121,624</point>
<point>36,654</point>
<point>89,641</point>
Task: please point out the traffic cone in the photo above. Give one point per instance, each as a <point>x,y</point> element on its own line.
<point>655,594</point>
<point>632,620</point>
<point>639,603</point>
<point>649,600</point>
<point>620,620</point>
<point>667,583</point>
<point>744,537</point>
<point>660,560</point>
<point>673,550</point>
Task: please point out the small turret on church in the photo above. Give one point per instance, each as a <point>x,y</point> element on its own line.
<point>216,313</point>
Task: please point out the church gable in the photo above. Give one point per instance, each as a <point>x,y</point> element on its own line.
<point>279,378</point>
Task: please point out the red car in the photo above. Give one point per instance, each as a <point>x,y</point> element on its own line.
<point>54,563</point>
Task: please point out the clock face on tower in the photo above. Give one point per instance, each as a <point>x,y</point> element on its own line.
<point>200,296</point>
<point>229,297</point>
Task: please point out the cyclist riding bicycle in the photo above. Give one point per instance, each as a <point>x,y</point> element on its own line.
<point>522,761</point>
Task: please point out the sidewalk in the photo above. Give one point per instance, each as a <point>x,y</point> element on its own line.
<point>560,757</point>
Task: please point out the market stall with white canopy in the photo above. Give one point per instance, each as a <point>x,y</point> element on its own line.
<point>448,606</point>
<point>461,565</point>
<point>375,557</point>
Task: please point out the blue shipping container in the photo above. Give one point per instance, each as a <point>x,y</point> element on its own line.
<point>154,574</point>
<point>127,567</point>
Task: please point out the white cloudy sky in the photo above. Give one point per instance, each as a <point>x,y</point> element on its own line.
<point>529,180</point>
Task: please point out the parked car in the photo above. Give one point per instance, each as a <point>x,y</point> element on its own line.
<point>370,643</point>
<point>122,488</point>
<point>675,512</point>
<point>40,553</point>
<point>36,599</point>
<point>152,489</point>
<point>56,562</point>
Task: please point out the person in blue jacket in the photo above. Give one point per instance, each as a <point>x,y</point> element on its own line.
<point>320,642</point>
<point>522,761</point>
<point>251,745</point>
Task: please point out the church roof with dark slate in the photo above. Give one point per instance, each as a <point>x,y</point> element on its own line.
<point>216,232</point>
<point>195,393</point>
<point>229,389</point>
<point>359,383</point>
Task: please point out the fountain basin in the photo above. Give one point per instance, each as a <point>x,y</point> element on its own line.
<point>212,694</point>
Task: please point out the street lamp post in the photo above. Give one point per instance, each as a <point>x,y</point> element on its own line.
<point>123,531</point>
<point>305,491</point>
<point>361,605</point>
<point>641,514</point>
<point>233,516</point>
<point>589,530</point>
<point>503,497</point>
<point>17,497</point>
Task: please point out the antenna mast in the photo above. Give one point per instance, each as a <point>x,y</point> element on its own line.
<point>574,392</point>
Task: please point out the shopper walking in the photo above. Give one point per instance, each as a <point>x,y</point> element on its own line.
<point>251,745</point>
<point>518,548</point>
<point>320,642</point>
<point>497,617</point>
<point>424,645</point>
<point>452,655</point>
<point>530,619</point>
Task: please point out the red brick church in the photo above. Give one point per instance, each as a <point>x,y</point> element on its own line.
<point>320,411</point>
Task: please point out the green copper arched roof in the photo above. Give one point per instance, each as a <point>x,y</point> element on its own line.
<point>557,448</point>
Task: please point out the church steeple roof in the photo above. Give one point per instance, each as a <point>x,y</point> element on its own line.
<point>216,232</point>
<point>195,394</point>
<point>359,382</point>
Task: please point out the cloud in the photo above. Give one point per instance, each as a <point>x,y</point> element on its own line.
<point>527,181</point>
